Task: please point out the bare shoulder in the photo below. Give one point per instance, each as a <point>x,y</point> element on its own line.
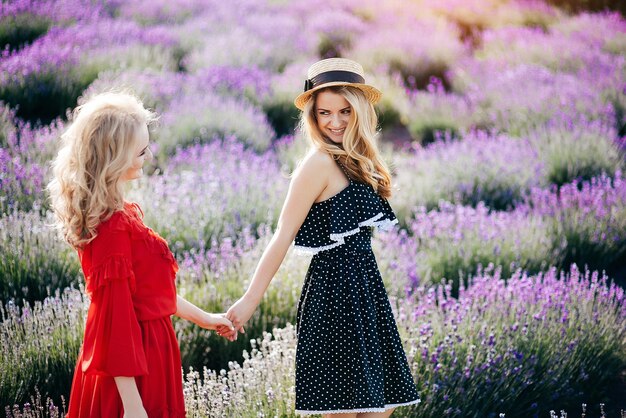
<point>315,162</point>
<point>312,173</point>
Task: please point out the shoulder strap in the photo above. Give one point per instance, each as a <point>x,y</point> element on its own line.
<point>343,168</point>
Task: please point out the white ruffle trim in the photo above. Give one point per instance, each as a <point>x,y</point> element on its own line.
<point>358,411</point>
<point>299,249</point>
<point>384,225</point>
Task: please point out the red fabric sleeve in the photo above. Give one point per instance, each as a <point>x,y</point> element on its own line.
<point>113,344</point>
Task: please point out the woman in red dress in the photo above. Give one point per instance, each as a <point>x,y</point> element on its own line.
<point>129,364</point>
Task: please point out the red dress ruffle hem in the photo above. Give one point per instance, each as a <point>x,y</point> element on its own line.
<point>129,274</point>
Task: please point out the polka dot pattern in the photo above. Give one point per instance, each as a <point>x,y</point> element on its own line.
<point>349,356</point>
<point>330,221</point>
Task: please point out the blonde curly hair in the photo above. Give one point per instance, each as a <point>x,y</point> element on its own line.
<point>358,152</point>
<point>97,149</point>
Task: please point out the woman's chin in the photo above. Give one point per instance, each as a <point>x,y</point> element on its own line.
<point>134,176</point>
<point>335,139</point>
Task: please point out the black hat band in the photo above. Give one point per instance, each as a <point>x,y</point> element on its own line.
<point>333,76</point>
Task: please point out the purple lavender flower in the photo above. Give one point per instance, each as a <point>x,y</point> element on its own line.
<point>211,192</point>
<point>493,88</point>
<point>24,158</point>
<point>23,21</point>
<point>595,30</point>
<point>577,149</point>
<point>503,363</point>
<point>45,78</point>
<point>588,219</point>
<point>61,11</point>
<point>494,169</point>
<point>72,43</point>
<point>456,241</point>
<point>556,51</point>
<point>435,110</point>
<point>397,41</point>
<point>202,116</point>
<point>251,35</point>
<point>158,89</point>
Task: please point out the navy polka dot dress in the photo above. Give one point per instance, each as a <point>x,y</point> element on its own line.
<point>349,356</point>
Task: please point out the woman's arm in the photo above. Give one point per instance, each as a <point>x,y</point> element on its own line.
<point>190,312</point>
<point>308,183</point>
<point>133,406</point>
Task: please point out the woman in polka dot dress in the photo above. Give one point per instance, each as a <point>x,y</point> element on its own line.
<point>349,358</point>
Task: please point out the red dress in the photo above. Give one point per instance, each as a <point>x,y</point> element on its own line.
<point>129,274</point>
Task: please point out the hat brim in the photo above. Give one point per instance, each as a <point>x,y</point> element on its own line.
<point>372,94</point>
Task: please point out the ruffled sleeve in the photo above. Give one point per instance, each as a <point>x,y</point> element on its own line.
<point>113,344</point>
<point>331,221</point>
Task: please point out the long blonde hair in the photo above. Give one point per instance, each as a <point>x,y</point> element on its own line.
<point>96,151</point>
<point>358,152</point>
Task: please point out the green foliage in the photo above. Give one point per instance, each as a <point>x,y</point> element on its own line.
<point>536,344</point>
<point>200,120</point>
<point>34,262</point>
<point>44,96</point>
<point>21,29</point>
<point>497,171</point>
<point>7,124</point>
<point>577,154</point>
<point>283,116</point>
<point>474,240</point>
<point>216,293</point>
<point>39,346</point>
<point>577,6</point>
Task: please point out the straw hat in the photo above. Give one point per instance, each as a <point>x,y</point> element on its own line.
<point>335,72</point>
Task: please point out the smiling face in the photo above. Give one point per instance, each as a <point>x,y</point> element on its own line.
<point>333,113</point>
<point>141,154</point>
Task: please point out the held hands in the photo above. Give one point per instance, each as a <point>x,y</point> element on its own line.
<point>219,323</point>
<point>241,312</point>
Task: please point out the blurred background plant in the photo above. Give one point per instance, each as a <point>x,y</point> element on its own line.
<point>504,123</point>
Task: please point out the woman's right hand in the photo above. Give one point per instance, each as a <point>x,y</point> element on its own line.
<point>219,323</point>
<point>241,312</point>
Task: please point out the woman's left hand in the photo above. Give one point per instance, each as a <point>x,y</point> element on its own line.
<point>241,312</point>
<point>221,324</point>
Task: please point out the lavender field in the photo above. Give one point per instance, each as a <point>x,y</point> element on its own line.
<point>504,122</point>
